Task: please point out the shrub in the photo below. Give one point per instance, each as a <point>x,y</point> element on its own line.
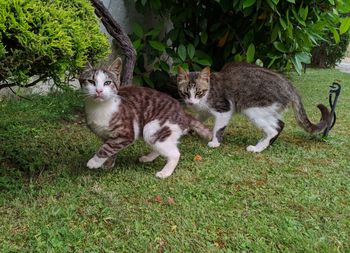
<point>277,34</point>
<point>47,39</point>
<point>329,53</point>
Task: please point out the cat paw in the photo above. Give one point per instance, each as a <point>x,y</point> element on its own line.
<point>253,149</point>
<point>108,165</point>
<point>163,174</point>
<point>213,144</point>
<point>95,162</point>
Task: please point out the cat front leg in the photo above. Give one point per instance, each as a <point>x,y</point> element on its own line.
<point>109,149</point>
<point>221,121</point>
<point>110,162</point>
<point>96,162</point>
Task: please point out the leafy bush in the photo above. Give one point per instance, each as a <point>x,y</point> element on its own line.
<point>47,38</point>
<point>277,34</point>
<point>329,53</point>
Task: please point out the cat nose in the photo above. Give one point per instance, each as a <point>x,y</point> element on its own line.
<point>99,91</point>
<point>189,103</point>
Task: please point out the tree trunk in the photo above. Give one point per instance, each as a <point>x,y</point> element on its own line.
<point>123,41</point>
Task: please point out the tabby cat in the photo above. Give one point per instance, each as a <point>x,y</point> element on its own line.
<point>262,95</point>
<point>120,115</point>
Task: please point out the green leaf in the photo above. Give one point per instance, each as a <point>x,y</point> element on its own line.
<point>291,1</point>
<point>276,31</point>
<point>303,12</point>
<point>283,24</point>
<point>250,53</point>
<point>154,32</point>
<point>238,58</point>
<point>280,46</point>
<point>304,57</point>
<point>137,44</point>
<point>204,62</point>
<point>181,51</point>
<point>157,45</point>
<point>335,35</point>
<point>204,37</point>
<point>297,64</point>
<point>148,81</point>
<point>272,61</point>
<point>201,55</point>
<point>345,25</point>
<point>190,51</point>
<point>271,4</point>
<point>248,3</point>
<point>137,29</point>
<point>164,66</point>
<point>300,21</point>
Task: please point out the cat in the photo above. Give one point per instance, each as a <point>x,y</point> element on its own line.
<point>121,114</point>
<point>260,94</point>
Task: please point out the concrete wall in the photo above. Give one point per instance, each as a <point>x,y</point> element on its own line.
<point>120,12</point>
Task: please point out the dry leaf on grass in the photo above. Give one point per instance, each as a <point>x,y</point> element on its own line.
<point>171,201</point>
<point>158,199</point>
<point>197,158</point>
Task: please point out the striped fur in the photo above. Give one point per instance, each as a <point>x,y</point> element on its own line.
<point>120,115</point>
<point>261,94</point>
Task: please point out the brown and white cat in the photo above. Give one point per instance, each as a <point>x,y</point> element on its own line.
<point>262,95</point>
<point>120,115</point>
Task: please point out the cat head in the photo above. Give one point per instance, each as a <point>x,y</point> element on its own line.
<point>193,86</point>
<point>100,84</point>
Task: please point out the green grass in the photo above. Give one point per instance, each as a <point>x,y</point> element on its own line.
<point>293,197</point>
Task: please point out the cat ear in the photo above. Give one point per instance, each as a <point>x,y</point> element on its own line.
<point>88,66</point>
<point>182,76</point>
<point>116,66</point>
<point>205,74</point>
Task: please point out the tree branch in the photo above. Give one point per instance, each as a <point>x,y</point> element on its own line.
<point>8,85</point>
<point>122,39</point>
<point>18,95</point>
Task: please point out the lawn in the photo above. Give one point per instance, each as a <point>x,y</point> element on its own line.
<point>293,197</point>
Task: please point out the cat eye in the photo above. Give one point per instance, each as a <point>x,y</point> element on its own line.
<point>91,81</point>
<point>201,93</point>
<point>184,94</point>
<point>107,83</point>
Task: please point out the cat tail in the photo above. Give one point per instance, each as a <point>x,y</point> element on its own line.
<point>199,128</point>
<point>304,121</point>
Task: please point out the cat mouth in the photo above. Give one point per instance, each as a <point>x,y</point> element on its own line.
<point>98,98</point>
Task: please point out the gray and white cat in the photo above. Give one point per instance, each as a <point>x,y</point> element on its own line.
<point>121,114</point>
<point>262,95</point>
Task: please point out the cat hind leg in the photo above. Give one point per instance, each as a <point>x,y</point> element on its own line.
<point>170,151</point>
<point>270,133</point>
<point>149,157</point>
<point>267,119</point>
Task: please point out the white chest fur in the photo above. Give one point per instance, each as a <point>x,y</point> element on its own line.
<point>99,114</point>
<point>202,104</point>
